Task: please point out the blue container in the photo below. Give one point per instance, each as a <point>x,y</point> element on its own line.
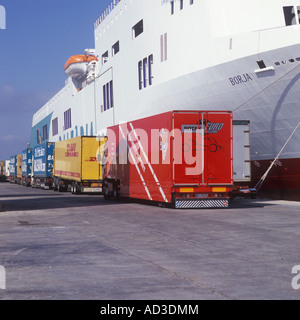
<point>26,163</point>
<point>43,160</point>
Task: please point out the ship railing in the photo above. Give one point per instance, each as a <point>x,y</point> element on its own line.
<point>107,11</point>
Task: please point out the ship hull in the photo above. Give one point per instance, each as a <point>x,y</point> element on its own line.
<point>282,182</point>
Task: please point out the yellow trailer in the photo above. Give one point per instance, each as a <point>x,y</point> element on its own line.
<point>77,165</point>
<point>19,168</point>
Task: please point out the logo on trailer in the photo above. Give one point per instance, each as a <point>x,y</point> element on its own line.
<point>205,125</point>
<point>39,152</point>
<point>71,151</point>
<point>210,127</point>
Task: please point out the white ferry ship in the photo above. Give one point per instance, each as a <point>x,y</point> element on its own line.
<point>153,56</point>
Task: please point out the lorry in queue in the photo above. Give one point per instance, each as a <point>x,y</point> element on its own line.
<point>4,170</point>
<point>76,165</point>
<point>13,169</point>
<point>7,169</point>
<point>242,160</point>
<point>26,167</point>
<point>19,169</point>
<point>42,166</point>
<point>182,159</point>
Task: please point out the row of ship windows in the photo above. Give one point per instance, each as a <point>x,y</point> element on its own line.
<point>262,64</point>
<point>181,5</point>
<point>291,15</point>
<point>138,29</point>
<point>44,136</point>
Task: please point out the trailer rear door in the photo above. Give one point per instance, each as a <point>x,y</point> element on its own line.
<point>188,150</point>
<point>203,155</point>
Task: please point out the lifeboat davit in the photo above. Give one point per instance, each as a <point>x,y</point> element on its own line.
<point>77,66</point>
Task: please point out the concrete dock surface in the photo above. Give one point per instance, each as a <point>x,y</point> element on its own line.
<point>59,246</point>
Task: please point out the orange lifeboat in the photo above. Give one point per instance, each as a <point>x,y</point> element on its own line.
<point>76,66</point>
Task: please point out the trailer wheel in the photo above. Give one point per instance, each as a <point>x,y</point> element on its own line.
<point>116,191</point>
<point>73,188</point>
<point>59,188</point>
<point>105,188</point>
<point>77,188</point>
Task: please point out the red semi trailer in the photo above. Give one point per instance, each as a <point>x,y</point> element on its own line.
<point>182,158</point>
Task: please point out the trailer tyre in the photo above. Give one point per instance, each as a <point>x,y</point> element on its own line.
<point>59,188</point>
<point>116,190</point>
<point>75,189</point>
<point>106,193</point>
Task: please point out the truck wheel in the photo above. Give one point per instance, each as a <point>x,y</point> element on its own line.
<point>59,188</point>
<point>73,188</point>
<point>106,193</point>
<point>77,189</point>
<point>116,191</point>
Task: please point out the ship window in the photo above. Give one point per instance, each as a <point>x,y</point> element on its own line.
<point>104,97</point>
<point>55,127</point>
<point>172,7</point>
<point>150,63</point>
<point>145,63</point>
<point>145,72</point>
<point>105,57</point>
<point>261,64</point>
<point>111,94</point>
<point>181,4</point>
<point>67,119</point>
<point>289,15</point>
<point>138,29</point>
<point>163,47</point>
<point>45,132</point>
<point>38,136</point>
<point>81,131</point>
<point>140,67</point>
<point>115,48</point>
<point>108,96</point>
<point>191,1</point>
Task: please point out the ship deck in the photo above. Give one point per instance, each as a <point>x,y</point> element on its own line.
<point>60,246</point>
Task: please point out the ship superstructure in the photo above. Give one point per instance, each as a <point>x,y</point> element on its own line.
<point>153,56</point>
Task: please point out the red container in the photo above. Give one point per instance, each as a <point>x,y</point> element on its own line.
<point>182,158</point>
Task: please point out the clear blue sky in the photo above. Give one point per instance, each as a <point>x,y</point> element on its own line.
<point>39,38</point>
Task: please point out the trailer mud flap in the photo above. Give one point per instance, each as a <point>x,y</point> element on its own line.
<point>192,203</point>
